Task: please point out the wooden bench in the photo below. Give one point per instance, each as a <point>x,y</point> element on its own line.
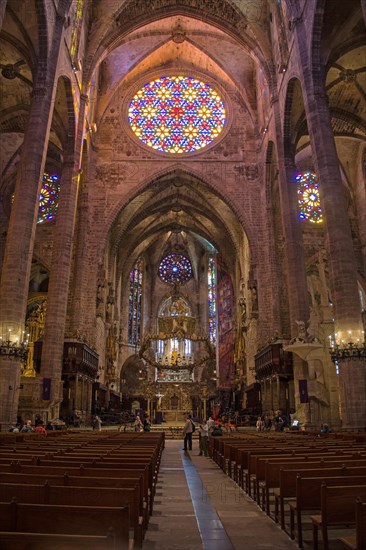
<point>337,510</point>
<point>308,498</point>
<point>131,470</point>
<point>287,488</point>
<point>42,541</point>
<point>80,496</point>
<point>357,541</point>
<point>66,520</point>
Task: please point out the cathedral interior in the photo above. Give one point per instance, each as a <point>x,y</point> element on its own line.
<point>183,209</point>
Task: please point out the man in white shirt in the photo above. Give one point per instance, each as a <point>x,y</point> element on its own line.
<point>187,433</point>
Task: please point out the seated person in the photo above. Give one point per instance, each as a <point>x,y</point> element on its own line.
<point>325,429</point>
<point>217,430</point>
<point>27,427</point>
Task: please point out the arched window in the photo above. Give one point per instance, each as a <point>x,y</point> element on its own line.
<point>308,197</point>
<point>177,114</point>
<point>211,283</point>
<point>134,320</point>
<point>48,198</point>
<point>76,29</point>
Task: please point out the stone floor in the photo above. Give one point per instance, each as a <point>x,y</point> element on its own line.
<point>198,506</point>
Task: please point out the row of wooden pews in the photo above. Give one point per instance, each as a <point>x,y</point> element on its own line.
<point>78,490</point>
<point>302,480</point>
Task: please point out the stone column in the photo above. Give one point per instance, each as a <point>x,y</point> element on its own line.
<point>82,305</point>
<point>294,249</point>
<point>53,341</point>
<point>363,6</point>
<point>2,12</point>
<point>294,246</point>
<point>341,259</point>
<point>22,225</point>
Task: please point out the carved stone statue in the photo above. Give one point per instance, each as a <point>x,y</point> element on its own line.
<point>301,330</point>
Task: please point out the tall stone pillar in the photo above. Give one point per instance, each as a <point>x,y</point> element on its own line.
<point>2,12</point>
<point>363,6</point>
<point>294,253</point>
<point>22,225</point>
<point>58,289</point>
<point>341,260</point>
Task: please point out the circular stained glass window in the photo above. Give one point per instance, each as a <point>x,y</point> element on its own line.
<point>175,269</point>
<point>48,198</point>
<point>177,114</point>
<point>308,198</point>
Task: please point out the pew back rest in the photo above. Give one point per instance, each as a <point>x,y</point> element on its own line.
<point>308,489</point>
<point>338,503</point>
<point>75,520</point>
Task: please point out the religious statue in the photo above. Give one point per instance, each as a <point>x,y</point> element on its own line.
<point>301,331</point>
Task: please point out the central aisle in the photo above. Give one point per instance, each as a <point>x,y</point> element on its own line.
<point>198,507</point>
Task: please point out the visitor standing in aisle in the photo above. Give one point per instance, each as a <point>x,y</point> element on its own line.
<point>188,430</point>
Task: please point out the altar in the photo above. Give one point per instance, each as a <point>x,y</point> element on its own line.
<point>175,402</point>
<point>175,416</point>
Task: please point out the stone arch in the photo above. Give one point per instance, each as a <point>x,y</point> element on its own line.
<point>132,15</point>
<point>177,170</point>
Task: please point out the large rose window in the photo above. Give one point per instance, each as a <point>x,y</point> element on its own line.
<point>177,114</point>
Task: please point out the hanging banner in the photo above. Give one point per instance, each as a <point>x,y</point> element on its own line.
<point>225,302</point>
<point>46,389</point>
<point>303,390</point>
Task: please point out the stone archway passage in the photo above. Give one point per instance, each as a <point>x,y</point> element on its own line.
<point>198,507</point>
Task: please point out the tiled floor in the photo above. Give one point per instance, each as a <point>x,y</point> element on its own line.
<point>198,507</point>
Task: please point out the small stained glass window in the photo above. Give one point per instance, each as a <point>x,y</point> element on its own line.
<point>308,198</point>
<point>177,114</point>
<point>48,198</point>
<point>134,317</point>
<point>211,283</point>
<point>175,269</point>
<point>76,29</point>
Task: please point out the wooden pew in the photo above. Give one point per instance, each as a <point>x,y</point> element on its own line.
<point>66,520</point>
<point>42,541</point>
<point>78,496</point>
<point>95,473</point>
<point>287,488</point>
<point>308,498</point>
<point>337,510</point>
<point>274,466</point>
<point>82,481</point>
<point>357,541</point>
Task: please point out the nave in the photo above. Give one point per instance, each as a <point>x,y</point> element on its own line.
<point>198,506</point>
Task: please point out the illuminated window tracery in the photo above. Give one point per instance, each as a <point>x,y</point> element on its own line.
<point>134,318</point>
<point>76,29</point>
<point>175,269</point>
<point>48,198</point>
<point>211,282</point>
<point>308,198</point>
<point>177,114</point>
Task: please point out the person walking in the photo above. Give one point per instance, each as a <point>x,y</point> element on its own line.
<point>188,430</point>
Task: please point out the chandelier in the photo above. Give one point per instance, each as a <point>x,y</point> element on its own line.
<point>351,348</point>
<point>16,348</point>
